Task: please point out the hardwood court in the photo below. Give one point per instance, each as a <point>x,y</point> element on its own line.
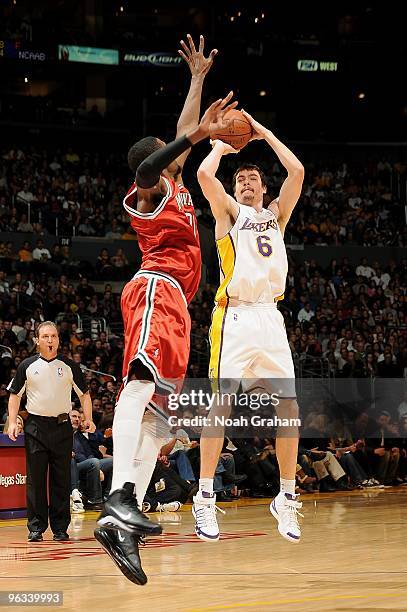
<point>352,557</point>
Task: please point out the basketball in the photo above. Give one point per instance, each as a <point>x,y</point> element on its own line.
<point>237,133</point>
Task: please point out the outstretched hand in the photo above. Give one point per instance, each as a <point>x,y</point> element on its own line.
<point>199,65</point>
<point>214,116</point>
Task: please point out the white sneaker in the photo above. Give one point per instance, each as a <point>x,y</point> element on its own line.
<point>204,510</point>
<point>170,507</point>
<point>285,508</point>
<point>76,502</point>
<point>375,484</point>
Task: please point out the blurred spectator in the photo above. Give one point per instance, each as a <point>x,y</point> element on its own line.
<point>41,253</point>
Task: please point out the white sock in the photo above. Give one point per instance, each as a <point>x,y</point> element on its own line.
<point>154,434</point>
<point>127,429</point>
<point>287,486</point>
<point>206,484</point>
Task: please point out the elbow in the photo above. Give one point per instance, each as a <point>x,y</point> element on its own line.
<point>299,171</point>
<point>203,175</point>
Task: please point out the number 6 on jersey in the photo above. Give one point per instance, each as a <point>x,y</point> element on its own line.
<point>263,246</point>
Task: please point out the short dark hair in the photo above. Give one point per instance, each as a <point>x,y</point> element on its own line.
<point>249,167</point>
<point>140,150</point>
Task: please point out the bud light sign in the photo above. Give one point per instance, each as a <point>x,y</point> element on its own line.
<point>159,59</point>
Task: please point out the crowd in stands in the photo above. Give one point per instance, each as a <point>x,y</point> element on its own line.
<point>351,318</point>
<point>343,320</point>
<point>58,261</point>
<point>83,193</point>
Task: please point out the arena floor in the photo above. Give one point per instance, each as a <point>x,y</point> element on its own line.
<point>352,557</point>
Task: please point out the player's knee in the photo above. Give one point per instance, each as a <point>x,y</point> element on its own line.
<point>135,395</point>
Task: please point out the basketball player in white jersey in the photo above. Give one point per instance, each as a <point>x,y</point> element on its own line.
<point>248,337</point>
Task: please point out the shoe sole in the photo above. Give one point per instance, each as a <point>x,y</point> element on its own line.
<point>286,536</point>
<point>111,522</point>
<point>203,536</point>
<point>125,570</point>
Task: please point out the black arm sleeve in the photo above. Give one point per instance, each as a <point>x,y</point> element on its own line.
<point>148,172</point>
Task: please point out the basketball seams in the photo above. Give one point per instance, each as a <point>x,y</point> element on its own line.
<point>238,133</point>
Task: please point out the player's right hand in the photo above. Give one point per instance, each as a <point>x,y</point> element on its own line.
<point>214,116</point>
<point>223,147</point>
<point>259,131</point>
<point>13,431</point>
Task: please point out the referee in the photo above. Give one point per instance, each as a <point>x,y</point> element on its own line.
<point>48,379</point>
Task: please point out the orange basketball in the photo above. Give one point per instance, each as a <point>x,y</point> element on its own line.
<point>238,132</point>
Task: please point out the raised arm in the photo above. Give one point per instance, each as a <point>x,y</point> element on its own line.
<point>291,188</point>
<point>199,66</point>
<point>224,208</point>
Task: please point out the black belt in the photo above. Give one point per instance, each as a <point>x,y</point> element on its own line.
<point>61,418</point>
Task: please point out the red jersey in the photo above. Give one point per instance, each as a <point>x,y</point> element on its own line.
<point>168,236</point>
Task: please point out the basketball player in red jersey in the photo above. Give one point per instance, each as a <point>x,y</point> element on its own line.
<point>155,312</point>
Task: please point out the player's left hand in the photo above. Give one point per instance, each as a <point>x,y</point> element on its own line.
<point>199,65</point>
<point>259,131</point>
<point>89,426</point>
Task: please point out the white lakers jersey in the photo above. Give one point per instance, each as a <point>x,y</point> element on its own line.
<point>252,258</point>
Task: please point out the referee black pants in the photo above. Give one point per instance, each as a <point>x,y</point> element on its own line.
<point>48,448</point>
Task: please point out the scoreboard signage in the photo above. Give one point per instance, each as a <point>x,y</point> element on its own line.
<point>13,49</point>
<point>312,65</point>
<point>88,55</point>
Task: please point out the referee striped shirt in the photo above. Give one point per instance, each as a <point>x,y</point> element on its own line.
<point>48,384</point>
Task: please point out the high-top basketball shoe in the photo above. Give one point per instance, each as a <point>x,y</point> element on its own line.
<point>204,510</point>
<point>120,511</point>
<point>123,548</point>
<point>285,508</point>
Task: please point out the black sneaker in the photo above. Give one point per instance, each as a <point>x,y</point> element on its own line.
<point>60,536</point>
<point>120,511</point>
<point>35,536</point>
<point>123,548</point>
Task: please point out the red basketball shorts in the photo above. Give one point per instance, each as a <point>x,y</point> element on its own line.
<point>157,329</point>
